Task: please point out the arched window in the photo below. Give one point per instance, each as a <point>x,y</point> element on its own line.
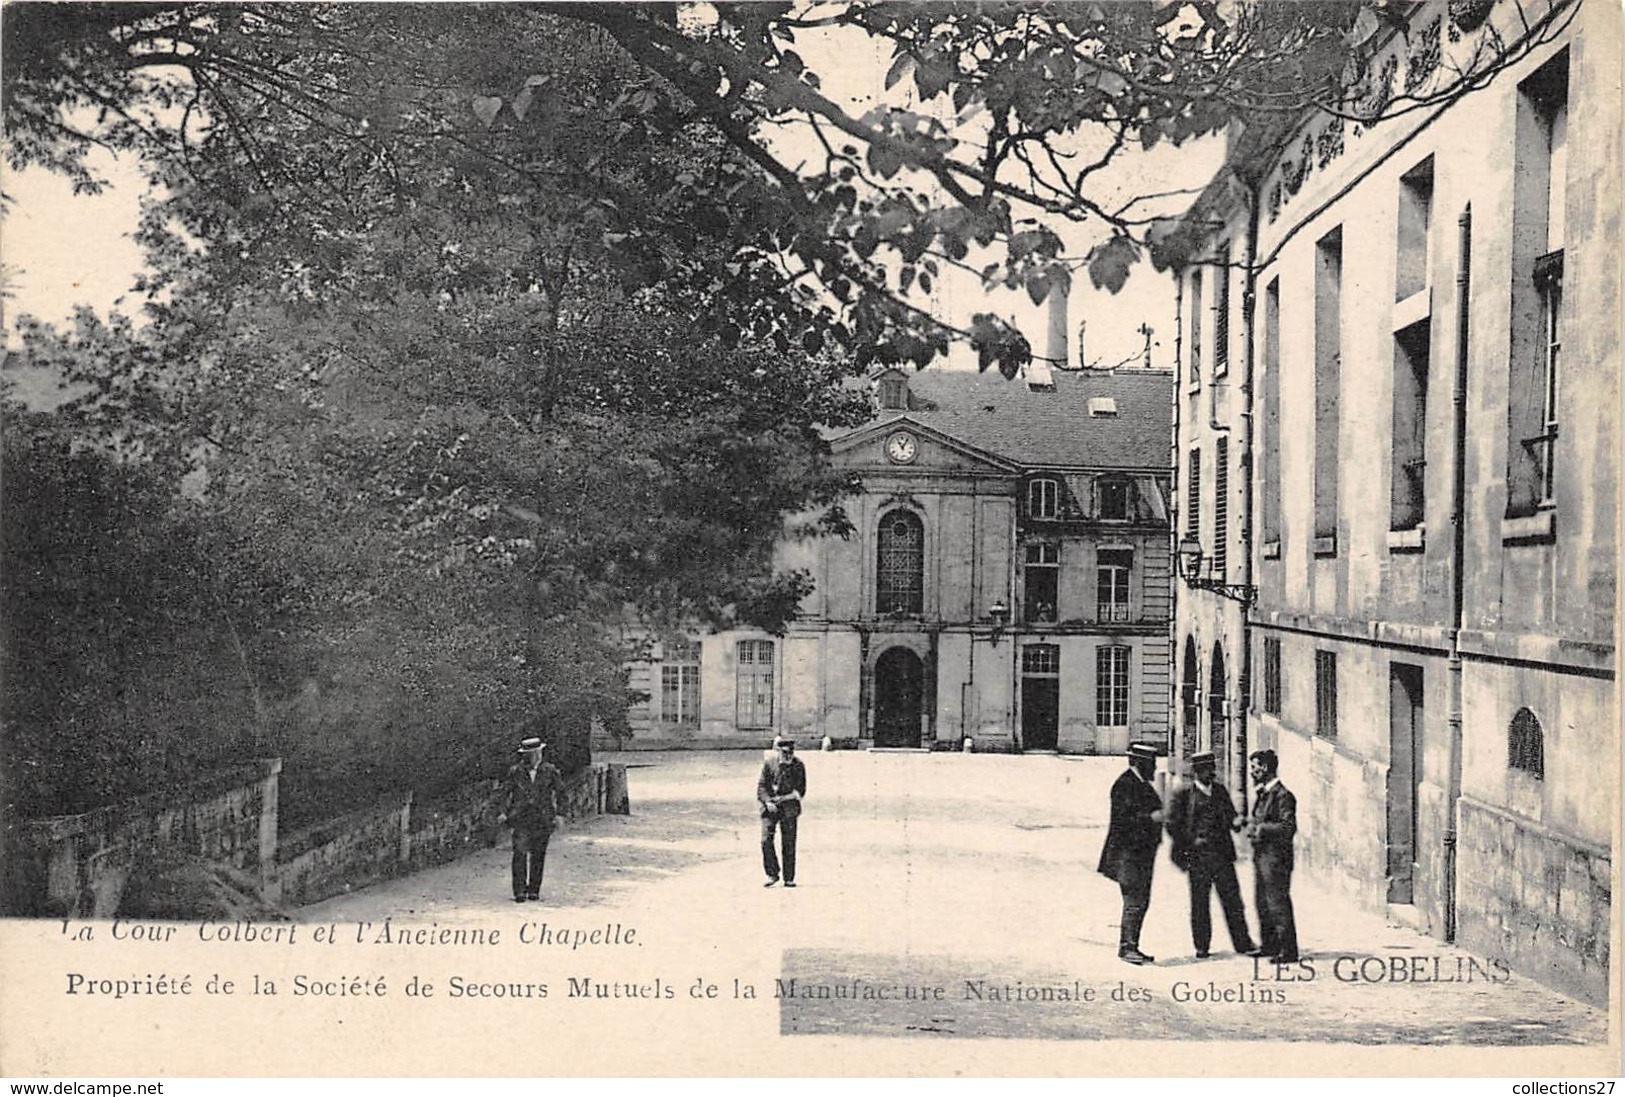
<point>900,570</point>
<point>1526,744</point>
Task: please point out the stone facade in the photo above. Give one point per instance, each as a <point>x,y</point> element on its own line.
<point>1007,583</point>
<point>1446,713</point>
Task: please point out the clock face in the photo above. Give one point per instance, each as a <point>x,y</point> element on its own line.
<point>902,447</point>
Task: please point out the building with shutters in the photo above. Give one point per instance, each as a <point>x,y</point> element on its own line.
<point>1397,424</point>
<point>1008,582</point>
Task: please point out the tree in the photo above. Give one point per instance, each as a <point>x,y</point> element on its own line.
<point>486,345</point>
<point>472,424</point>
<point>1019,109</point>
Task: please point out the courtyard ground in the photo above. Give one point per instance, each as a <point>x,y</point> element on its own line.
<point>950,896</point>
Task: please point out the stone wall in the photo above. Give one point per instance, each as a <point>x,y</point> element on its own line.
<point>1536,897</point>
<point>77,865</point>
<point>343,854</point>
<point>461,822</point>
<point>400,837</point>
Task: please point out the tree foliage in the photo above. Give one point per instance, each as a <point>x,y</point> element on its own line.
<point>476,332</point>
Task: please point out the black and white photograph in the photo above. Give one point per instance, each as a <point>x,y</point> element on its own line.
<point>1001,539</point>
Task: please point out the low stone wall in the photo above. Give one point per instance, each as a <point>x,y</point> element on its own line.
<point>1537,898</point>
<point>342,854</point>
<point>401,837</point>
<point>454,825</point>
<point>77,865</point>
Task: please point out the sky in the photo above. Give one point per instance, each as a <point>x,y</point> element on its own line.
<point>61,250</point>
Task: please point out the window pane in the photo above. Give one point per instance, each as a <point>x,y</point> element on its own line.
<point>900,574</point>
<point>1042,659</point>
<point>1111,686</point>
<point>1326,694</point>
<point>754,698</point>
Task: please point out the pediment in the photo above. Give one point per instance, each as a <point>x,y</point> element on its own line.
<point>933,451</point>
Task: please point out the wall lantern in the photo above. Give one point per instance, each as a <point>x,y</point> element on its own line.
<point>1193,565</point>
<point>999,614</point>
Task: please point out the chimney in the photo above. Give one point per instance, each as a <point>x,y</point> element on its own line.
<point>1040,377</point>
<point>1056,349</point>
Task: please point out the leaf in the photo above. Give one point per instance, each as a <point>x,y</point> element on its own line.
<point>486,108</point>
<point>521,103</point>
<point>1109,263</point>
<point>933,78</point>
<point>884,160</point>
<point>901,67</point>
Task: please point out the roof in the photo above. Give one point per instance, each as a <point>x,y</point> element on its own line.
<point>1051,428</point>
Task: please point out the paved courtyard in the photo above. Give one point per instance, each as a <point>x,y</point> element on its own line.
<point>952,896</point>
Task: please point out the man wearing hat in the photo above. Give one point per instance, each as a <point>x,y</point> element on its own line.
<point>1273,827</point>
<point>1132,838</point>
<point>532,807</point>
<point>779,790</point>
<point>1201,817</point>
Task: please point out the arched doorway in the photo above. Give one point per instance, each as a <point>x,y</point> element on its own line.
<point>899,696</point>
<point>1190,689</point>
<point>1218,723</point>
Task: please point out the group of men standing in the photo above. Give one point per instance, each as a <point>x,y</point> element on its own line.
<point>1200,818</point>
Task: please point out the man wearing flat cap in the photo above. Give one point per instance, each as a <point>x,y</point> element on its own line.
<point>779,791</point>
<point>531,799</point>
<point>1201,818</point>
<point>1132,839</point>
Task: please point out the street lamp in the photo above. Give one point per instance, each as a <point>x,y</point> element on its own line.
<point>1193,564</point>
<point>999,614</point>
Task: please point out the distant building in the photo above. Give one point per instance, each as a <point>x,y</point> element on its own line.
<point>1398,419</point>
<point>1008,581</point>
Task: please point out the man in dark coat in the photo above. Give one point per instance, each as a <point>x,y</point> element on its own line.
<point>1272,828</point>
<point>1132,838</point>
<point>1200,819</point>
<point>531,808</point>
<point>779,791</point>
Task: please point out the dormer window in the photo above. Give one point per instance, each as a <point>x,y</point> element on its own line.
<point>894,393</point>
<point>1102,407</point>
<point>1113,497</point>
<point>1043,498</point>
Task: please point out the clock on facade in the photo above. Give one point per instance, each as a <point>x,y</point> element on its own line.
<point>902,447</point>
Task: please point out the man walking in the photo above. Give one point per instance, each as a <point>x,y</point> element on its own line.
<point>779,791</point>
<point>1200,820</point>
<point>1132,838</point>
<point>1273,826</point>
<point>531,792</point>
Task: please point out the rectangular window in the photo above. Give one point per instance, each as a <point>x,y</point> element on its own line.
<point>1196,326</point>
<point>1415,218</point>
<point>1111,686</point>
<point>1270,474</point>
<point>1538,216</point>
<point>1221,507</point>
<point>1328,371</point>
<point>1326,694</point>
<point>1272,675</point>
<point>1193,496</point>
<point>1221,313</point>
<point>1041,583</point>
<point>1115,567</point>
<point>1043,499</point>
<point>1114,496</point>
<point>1411,352</point>
<point>1041,660</point>
<point>680,684</point>
<point>755,681</point>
